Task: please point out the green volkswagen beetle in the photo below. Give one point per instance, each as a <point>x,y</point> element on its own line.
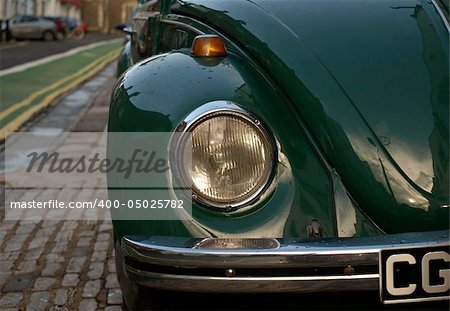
<point>303,147</point>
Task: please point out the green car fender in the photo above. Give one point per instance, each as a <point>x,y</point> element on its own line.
<point>157,94</point>
<point>370,118</point>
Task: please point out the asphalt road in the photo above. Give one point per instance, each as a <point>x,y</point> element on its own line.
<point>16,53</point>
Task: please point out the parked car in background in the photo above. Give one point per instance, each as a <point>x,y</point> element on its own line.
<point>318,157</point>
<point>61,27</point>
<point>32,27</point>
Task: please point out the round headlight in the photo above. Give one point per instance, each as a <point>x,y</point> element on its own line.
<point>232,158</point>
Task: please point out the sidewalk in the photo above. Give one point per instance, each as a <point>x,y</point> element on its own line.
<point>62,265</point>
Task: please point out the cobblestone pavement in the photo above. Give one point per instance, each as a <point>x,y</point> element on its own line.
<point>62,265</point>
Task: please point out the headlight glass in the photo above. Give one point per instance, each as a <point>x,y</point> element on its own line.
<point>232,159</point>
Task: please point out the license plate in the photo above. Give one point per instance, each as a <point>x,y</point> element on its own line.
<point>414,274</point>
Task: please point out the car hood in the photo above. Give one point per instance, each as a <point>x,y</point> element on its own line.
<point>370,80</point>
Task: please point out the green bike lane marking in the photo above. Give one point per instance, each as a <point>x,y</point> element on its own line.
<point>20,91</point>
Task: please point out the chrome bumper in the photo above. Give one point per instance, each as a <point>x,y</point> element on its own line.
<point>285,265</point>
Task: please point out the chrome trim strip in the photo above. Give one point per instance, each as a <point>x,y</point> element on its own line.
<point>302,254</point>
<point>211,107</point>
<point>285,256</point>
<point>441,14</point>
<point>182,25</point>
<point>210,110</point>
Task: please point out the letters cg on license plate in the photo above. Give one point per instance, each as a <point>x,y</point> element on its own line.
<point>414,274</point>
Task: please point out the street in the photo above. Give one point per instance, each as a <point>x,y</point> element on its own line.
<point>69,265</point>
<point>19,52</point>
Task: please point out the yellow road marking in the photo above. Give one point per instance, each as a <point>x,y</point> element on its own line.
<point>13,45</point>
<point>26,115</point>
<point>36,94</point>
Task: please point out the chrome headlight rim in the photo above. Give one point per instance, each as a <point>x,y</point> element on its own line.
<point>209,111</point>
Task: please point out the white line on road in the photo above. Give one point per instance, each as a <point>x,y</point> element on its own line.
<point>50,58</point>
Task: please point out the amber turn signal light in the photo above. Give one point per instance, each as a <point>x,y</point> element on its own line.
<point>208,46</point>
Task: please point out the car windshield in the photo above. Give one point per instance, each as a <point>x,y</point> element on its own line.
<point>28,18</point>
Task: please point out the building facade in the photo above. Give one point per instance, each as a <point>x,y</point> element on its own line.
<point>69,8</point>
<point>101,15</point>
<point>104,15</point>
